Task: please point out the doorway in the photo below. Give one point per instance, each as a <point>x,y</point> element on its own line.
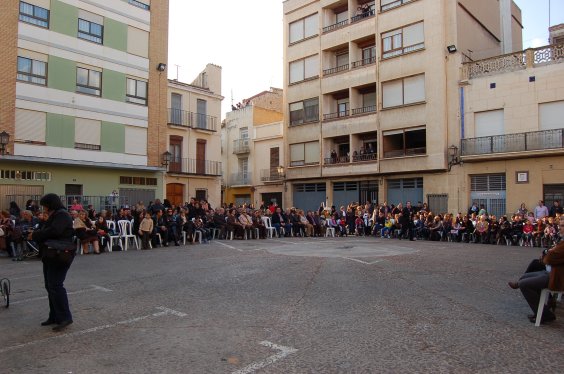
<point>175,193</point>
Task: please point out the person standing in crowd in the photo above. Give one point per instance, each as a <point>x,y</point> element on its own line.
<point>57,252</point>
<point>556,208</point>
<point>541,210</point>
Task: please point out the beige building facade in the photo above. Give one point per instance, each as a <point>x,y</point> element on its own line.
<point>83,99</point>
<point>253,151</point>
<point>371,94</point>
<point>194,138</point>
<point>512,127</point>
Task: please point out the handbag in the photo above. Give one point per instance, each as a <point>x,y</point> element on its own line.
<point>61,251</point>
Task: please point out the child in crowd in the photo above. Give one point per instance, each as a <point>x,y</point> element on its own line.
<point>146,230</point>
<point>527,234</point>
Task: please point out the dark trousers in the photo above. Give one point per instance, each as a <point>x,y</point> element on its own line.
<point>145,238</point>
<point>54,274</point>
<point>531,285</point>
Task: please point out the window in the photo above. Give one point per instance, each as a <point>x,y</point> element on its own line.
<point>137,41</point>
<point>307,68</point>
<point>90,31</point>
<point>303,28</point>
<point>136,143</point>
<point>404,91</point>
<point>25,175</point>
<point>489,123</point>
<point>202,118</point>
<point>244,168</point>
<point>304,153</point>
<point>88,81</point>
<point>390,4</point>
<point>34,14</point>
<point>136,91</point>
<point>244,133</point>
<point>32,71</point>
<point>409,142</point>
<point>87,134</point>
<point>342,16</point>
<point>141,181</point>
<point>343,107</point>
<point>368,55</point>
<point>139,4</point>
<point>398,42</point>
<point>342,58</point>
<point>304,111</point>
<point>30,126</point>
<point>550,115</point>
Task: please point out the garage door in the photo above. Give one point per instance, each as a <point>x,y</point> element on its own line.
<point>402,190</point>
<point>345,193</point>
<point>309,196</point>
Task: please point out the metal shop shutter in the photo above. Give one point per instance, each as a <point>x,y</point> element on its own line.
<point>309,196</point>
<point>344,193</point>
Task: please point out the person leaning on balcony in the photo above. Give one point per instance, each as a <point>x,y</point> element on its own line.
<point>541,210</point>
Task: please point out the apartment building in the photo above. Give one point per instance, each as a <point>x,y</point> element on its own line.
<point>84,93</point>
<point>512,145</point>
<point>372,97</point>
<point>194,140</point>
<point>253,151</point>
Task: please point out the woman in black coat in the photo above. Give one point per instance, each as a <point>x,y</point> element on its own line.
<point>57,253</point>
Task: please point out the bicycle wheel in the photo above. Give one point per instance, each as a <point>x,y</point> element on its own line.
<point>5,284</point>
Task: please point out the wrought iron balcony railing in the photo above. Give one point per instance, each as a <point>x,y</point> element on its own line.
<point>528,141</point>
<point>335,26</point>
<point>270,175</point>
<point>365,157</point>
<point>371,12</point>
<point>363,62</point>
<point>195,167</point>
<point>241,146</point>
<point>363,110</point>
<point>241,179</point>
<point>340,114</point>
<point>336,69</point>
<point>337,160</point>
<point>192,120</point>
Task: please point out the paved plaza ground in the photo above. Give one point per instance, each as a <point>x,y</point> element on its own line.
<point>290,305</point>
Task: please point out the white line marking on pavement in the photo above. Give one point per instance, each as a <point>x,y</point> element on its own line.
<point>28,277</point>
<point>284,351</point>
<point>93,288</point>
<point>229,246</point>
<point>164,311</point>
<point>362,262</point>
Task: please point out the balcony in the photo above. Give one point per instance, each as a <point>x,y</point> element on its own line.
<point>195,167</point>
<point>335,26</point>
<point>240,179</point>
<point>529,58</point>
<point>522,142</point>
<point>270,175</point>
<point>335,70</point>
<point>241,146</point>
<point>336,115</point>
<point>192,120</point>
<point>364,62</point>
<point>364,110</point>
<point>365,157</point>
<point>337,160</point>
<point>364,15</point>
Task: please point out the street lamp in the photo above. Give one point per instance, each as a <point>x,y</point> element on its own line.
<point>453,157</point>
<point>167,157</point>
<point>280,170</point>
<point>4,140</point>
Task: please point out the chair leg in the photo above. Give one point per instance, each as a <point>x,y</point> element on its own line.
<point>543,298</point>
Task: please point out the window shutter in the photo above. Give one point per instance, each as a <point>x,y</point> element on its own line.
<point>413,35</point>
<point>311,27</point>
<point>551,115</point>
<point>296,31</point>
<point>87,131</point>
<point>311,68</point>
<point>414,89</point>
<point>136,140</point>
<point>297,152</point>
<point>296,71</point>
<point>392,94</point>
<point>312,152</point>
<point>137,42</point>
<point>489,123</point>
<point>30,125</point>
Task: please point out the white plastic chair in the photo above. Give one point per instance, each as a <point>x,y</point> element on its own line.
<point>116,237</point>
<point>198,234</point>
<point>329,230</point>
<point>268,224</point>
<point>126,231</point>
<point>543,299</point>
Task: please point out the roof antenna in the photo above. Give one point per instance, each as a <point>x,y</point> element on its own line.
<point>177,66</point>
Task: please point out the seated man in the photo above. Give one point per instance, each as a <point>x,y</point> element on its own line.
<point>234,225</point>
<point>532,283</point>
<point>159,227</point>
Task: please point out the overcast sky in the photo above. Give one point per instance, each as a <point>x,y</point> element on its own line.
<point>244,37</point>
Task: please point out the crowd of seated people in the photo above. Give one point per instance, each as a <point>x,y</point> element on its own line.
<point>161,223</point>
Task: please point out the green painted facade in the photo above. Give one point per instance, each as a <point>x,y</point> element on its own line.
<point>112,137</point>
<point>113,85</point>
<point>115,34</point>
<point>60,131</point>
<point>64,18</point>
<point>61,74</point>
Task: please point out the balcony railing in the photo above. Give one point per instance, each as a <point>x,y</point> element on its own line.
<point>335,26</point>
<point>371,12</point>
<point>528,58</point>
<point>240,179</point>
<point>195,167</point>
<point>365,157</point>
<point>337,160</point>
<point>403,50</point>
<point>405,152</point>
<point>394,4</point>
<point>363,110</point>
<point>528,141</point>
<point>270,175</point>
<point>336,70</point>
<point>241,146</point>
<point>363,62</point>
<point>340,114</point>
<point>192,120</point>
